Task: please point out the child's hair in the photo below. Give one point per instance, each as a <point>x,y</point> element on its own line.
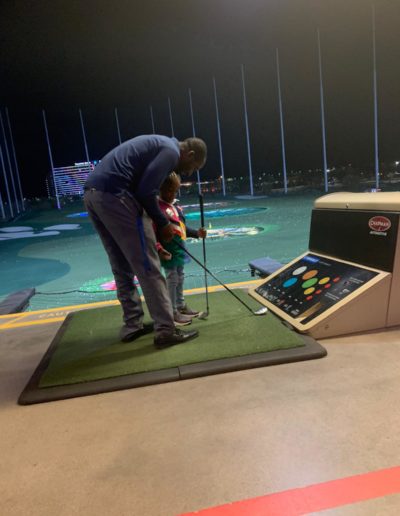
<point>172,181</point>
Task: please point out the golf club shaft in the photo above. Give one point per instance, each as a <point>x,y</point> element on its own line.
<point>212,275</point>
<point>204,249</point>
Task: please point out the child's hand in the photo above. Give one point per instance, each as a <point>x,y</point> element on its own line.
<point>202,233</point>
<point>167,233</point>
<point>164,255</point>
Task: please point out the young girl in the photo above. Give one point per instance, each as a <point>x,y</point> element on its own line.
<point>172,256</point>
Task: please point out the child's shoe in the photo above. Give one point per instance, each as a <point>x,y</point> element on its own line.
<point>185,310</point>
<point>181,319</point>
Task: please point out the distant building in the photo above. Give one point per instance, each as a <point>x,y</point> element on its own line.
<point>69,181</point>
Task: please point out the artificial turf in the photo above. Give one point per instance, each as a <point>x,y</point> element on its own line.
<point>88,347</point>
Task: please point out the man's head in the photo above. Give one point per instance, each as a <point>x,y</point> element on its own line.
<point>193,156</point>
<point>170,187</point>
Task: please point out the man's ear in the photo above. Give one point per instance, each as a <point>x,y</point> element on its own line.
<point>190,154</point>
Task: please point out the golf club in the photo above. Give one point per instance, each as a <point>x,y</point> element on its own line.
<point>204,315</point>
<point>261,311</point>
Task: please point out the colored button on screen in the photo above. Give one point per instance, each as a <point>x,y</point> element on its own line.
<point>310,274</point>
<point>324,280</point>
<point>289,282</point>
<point>300,270</point>
<point>310,283</point>
<point>309,291</point>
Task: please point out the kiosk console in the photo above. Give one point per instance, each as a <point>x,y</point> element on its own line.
<point>349,280</point>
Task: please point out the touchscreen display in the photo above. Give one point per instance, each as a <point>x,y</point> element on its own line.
<point>312,285</point>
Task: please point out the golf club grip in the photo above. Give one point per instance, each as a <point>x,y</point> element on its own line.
<point>201,210</point>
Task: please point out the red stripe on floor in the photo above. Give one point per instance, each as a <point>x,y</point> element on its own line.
<point>314,498</point>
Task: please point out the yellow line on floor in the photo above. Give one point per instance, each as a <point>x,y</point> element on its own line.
<point>60,308</point>
<point>30,323</point>
<point>10,318</point>
<point>58,314</point>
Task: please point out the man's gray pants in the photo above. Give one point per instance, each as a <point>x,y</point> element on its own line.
<point>128,237</point>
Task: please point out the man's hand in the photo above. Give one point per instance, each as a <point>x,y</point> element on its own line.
<point>164,254</point>
<point>202,233</point>
<point>167,233</point>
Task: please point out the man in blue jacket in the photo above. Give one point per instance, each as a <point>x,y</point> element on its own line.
<point>121,199</point>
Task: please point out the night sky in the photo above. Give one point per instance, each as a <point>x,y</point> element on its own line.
<point>98,55</point>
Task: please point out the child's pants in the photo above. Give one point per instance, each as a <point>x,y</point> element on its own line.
<point>175,278</point>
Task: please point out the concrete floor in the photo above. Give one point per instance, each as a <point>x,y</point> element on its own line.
<point>167,449</point>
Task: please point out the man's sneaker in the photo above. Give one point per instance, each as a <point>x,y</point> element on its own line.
<point>177,337</point>
<point>128,334</point>
<point>185,310</point>
<point>181,320</point>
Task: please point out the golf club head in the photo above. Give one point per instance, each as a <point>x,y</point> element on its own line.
<point>202,315</point>
<point>261,311</point>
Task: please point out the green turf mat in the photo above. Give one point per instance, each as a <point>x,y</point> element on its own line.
<point>87,349</point>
